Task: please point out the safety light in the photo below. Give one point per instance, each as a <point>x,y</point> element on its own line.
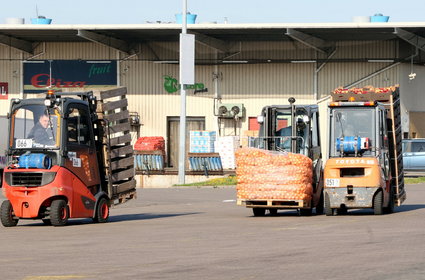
<point>351,104</point>
<point>260,119</point>
<point>370,103</point>
<point>351,99</point>
<point>50,96</point>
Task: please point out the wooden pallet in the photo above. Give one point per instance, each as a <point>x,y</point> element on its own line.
<point>117,149</point>
<point>396,153</point>
<point>274,203</point>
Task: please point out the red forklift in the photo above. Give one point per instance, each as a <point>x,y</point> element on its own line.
<point>65,160</point>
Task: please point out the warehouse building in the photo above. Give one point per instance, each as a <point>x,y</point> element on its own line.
<point>244,65</point>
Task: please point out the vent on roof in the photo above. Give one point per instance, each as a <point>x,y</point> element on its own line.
<point>14,21</point>
<point>360,19</point>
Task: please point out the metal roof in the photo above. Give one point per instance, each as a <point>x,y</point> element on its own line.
<point>320,36</point>
<point>233,32</point>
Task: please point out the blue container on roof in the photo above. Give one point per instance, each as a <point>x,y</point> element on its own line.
<point>190,18</point>
<point>41,20</point>
<point>379,18</point>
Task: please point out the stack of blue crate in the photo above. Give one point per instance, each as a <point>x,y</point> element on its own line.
<point>202,141</point>
<point>203,162</point>
<point>201,155</point>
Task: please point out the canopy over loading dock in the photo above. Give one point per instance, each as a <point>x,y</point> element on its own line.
<point>222,38</point>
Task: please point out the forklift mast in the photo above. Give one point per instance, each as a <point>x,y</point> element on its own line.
<point>291,128</point>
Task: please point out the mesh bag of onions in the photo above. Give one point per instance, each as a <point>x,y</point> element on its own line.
<point>263,174</point>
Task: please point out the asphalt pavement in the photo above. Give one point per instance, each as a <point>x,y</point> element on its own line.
<point>200,233</point>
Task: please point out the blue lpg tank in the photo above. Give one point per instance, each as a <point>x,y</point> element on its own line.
<point>40,161</point>
<point>349,144</point>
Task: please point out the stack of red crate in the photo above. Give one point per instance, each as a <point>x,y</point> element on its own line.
<point>151,143</point>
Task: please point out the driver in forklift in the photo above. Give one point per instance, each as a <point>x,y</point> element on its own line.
<point>41,133</point>
<point>283,140</point>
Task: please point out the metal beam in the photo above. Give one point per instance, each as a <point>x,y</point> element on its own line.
<point>311,41</point>
<point>372,75</point>
<point>411,38</point>
<point>150,50</point>
<point>18,44</point>
<point>108,41</point>
<point>212,42</point>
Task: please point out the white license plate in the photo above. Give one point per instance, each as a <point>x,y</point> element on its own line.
<point>332,182</point>
<point>23,143</point>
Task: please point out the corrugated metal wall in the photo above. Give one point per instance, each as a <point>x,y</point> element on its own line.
<point>283,50</point>
<point>10,72</point>
<point>266,80</point>
<point>83,50</point>
<point>254,85</point>
<point>238,50</point>
<point>366,49</point>
<point>335,75</point>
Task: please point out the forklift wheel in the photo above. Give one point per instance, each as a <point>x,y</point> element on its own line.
<point>378,201</point>
<point>47,222</point>
<point>273,211</point>
<point>390,208</point>
<point>102,211</point>
<point>59,213</point>
<point>8,218</point>
<point>306,211</point>
<point>320,206</point>
<point>328,210</point>
<point>259,212</point>
<point>342,211</point>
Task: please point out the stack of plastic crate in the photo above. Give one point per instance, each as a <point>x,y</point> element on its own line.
<point>226,147</point>
<point>202,141</point>
<point>149,153</point>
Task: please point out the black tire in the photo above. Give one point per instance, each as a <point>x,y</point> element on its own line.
<point>342,211</point>
<point>390,208</point>
<point>378,207</point>
<point>320,206</point>
<point>59,213</point>
<point>47,222</point>
<point>306,211</point>
<point>328,210</point>
<point>102,211</point>
<point>259,212</point>
<point>273,211</point>
<point>7,215</point>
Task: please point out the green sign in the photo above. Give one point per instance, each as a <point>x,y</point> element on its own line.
<point>171,85</point>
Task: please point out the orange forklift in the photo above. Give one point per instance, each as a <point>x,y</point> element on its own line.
<point>365,165</point>
<point>65,160</point>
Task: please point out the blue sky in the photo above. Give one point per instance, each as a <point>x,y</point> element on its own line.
<point>236,11</point>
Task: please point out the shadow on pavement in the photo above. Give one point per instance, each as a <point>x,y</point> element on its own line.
<point>409,207</point>
<point>145,216</point>
<point>399,209</point>
<point>280,213</point>
<point>114,219</point>
<point>353,212</point>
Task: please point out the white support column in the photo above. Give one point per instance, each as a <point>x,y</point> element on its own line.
<point>182,136</point>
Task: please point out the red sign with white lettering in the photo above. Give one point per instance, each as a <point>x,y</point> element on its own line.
<point>41,75</point>
<point>4,90</point>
